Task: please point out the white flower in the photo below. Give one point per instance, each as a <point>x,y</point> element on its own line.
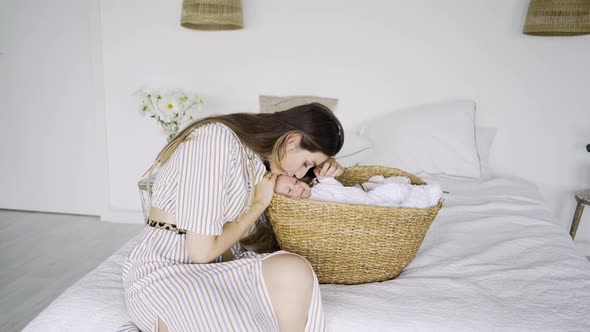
<point>141,92</point>
<point>168,108</point>
<point>173,109</point>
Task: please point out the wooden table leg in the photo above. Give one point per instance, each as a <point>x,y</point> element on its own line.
<point>576,221</point>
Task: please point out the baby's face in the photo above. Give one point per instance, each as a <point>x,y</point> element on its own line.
<point>292,187</point>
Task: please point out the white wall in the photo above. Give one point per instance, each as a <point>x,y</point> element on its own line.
<point>52,141</point>
<point>375,56</point>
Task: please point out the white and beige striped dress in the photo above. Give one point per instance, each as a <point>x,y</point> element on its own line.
<point>205,184</point>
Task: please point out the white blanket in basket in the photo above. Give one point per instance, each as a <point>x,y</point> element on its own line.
<point>379,191</point>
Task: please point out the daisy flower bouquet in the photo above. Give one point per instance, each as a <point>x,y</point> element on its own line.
<point>172,109</point>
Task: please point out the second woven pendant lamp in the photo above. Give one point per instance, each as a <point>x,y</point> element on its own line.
<point>212,14</point>
<point>558,18</point>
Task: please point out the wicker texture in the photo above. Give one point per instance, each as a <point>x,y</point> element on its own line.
<point>558,18</point>
<point>352,243</point>
<point>212,14</point>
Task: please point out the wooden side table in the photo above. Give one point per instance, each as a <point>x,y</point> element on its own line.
<point>583,198</point>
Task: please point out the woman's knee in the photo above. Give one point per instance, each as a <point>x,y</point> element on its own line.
<point>162,327</point>
<point>288,269</point>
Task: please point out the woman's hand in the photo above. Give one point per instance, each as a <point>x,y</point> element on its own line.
<point>264,189</point>
<point>328,168</point>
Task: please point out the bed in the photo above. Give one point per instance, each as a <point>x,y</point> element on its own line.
<point>493,260</point>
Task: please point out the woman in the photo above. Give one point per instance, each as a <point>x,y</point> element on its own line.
<point>188,272</point>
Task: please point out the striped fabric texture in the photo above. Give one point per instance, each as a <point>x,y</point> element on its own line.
<point>205,184</point>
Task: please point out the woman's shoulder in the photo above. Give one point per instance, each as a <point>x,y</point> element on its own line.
<point>216,130</point>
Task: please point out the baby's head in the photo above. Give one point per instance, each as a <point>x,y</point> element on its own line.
<point>292,187</point>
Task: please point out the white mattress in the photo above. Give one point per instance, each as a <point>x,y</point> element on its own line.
<point>492,260</point>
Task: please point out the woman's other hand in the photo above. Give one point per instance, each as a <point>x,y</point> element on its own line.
<point>264,189</point>
<point>329,168</point>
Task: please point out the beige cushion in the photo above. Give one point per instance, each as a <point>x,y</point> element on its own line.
<point>271,104</point>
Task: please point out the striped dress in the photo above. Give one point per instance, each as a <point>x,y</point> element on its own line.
<point>205,184</point>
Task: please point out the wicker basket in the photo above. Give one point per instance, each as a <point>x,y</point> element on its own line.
<point>352,243</point>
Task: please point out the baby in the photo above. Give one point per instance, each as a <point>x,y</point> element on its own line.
<point>379,191</point>
<point>292,187</point>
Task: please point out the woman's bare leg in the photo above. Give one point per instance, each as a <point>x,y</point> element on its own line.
<point>161,326</point>
<point>289,281</point>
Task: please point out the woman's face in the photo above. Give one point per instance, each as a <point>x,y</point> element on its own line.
<point>298,161</point>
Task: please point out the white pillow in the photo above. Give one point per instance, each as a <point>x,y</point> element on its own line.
<point>356,148</point>
<point>435,139</point>
<point>484,137</point>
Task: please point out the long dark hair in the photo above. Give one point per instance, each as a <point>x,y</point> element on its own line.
<point>265,134</point>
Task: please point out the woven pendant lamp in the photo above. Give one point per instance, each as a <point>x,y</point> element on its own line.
<point>212,14</point>
<point>558,18</point>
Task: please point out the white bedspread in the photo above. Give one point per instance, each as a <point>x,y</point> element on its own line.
<point>491,261</point>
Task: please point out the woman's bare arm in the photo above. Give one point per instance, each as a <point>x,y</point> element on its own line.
<point>205,248</point>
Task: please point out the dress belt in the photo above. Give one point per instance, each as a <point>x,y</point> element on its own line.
<point>161,219</point>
